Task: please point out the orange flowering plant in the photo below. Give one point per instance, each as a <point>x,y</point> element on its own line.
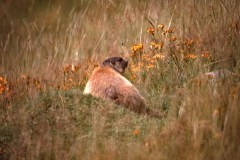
<point>162,47</point>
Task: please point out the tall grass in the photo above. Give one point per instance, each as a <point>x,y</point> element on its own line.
<point>48,50</point>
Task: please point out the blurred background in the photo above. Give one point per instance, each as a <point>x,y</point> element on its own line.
<point>45,34</point>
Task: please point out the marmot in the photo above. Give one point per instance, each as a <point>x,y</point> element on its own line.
<point>107,82</point>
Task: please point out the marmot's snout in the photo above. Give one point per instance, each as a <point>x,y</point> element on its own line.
<point>125,63</point>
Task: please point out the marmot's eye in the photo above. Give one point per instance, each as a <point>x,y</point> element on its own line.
<point>120,59</point>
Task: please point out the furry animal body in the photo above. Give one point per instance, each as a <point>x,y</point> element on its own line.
<point>107,82</point>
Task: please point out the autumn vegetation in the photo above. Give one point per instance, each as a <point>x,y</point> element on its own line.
<point>48,50</point>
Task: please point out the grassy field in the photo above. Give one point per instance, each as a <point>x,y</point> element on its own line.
<point>48,50</point>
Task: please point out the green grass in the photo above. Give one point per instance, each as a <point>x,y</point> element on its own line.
<point>44,115</point>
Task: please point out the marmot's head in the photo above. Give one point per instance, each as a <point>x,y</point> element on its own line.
<point>117,63</point>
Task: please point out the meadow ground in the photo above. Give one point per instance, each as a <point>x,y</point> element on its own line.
<point>48,50</point>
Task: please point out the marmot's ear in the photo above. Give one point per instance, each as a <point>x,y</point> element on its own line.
<point>105,62</point>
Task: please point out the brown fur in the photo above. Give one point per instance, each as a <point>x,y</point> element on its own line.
<point>107,82</point>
